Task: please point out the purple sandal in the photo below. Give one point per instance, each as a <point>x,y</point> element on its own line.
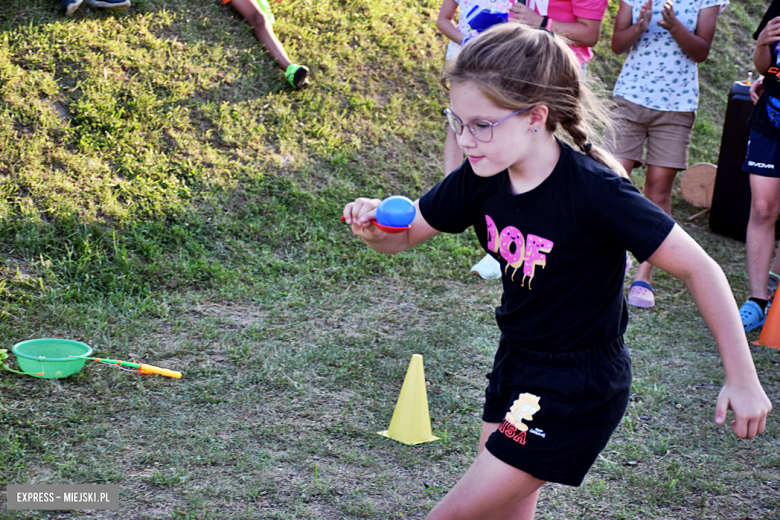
<point>641,294</point>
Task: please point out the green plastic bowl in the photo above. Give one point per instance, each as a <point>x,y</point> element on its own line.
<point>50,356</point>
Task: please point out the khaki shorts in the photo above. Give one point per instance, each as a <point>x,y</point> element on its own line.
<point>668,134</point>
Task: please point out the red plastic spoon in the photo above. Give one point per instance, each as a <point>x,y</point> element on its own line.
<point>386,229</point>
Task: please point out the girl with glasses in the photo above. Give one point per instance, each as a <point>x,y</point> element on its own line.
<point>559,220</point>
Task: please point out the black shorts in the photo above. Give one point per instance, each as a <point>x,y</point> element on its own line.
<point>763,156</point>
<point>556,411</point>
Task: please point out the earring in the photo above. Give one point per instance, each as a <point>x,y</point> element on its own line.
<point>536,130</point>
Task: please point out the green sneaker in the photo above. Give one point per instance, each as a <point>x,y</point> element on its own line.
<point>298,76</point>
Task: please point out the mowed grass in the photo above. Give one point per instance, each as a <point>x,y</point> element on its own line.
<point>165,197</point>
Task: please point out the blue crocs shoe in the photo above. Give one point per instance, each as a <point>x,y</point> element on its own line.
<point>751,315</point>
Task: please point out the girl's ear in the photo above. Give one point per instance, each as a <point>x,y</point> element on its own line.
<point>537,119</point>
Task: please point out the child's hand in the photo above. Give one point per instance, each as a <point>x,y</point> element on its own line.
<point>668,19</point>
<point>771,33</point>
<point>645,14</point>
<point>749,404</point>
<point>757,90</point>
<point>523,13</point>
<point>359,215</point>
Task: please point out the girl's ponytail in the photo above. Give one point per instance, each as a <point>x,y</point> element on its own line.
<point>578,132</point>
<point>601,156</point>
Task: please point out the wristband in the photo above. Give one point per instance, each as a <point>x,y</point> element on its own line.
<point>548,26</point>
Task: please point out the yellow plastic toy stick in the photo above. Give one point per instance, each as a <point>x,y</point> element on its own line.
<point>149,369</point>
<point>142,369</point>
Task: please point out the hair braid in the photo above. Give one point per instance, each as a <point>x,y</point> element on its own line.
<point>579,129</point>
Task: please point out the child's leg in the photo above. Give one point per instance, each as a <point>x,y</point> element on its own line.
<point>669,136</point>
<point>453,155</point>
<point>764,208</point>
<point>776,264</point>
<point>627,164</point>
<point>658,188</point>
<point>527,508</point>
<point>262,29</point>
<point>490,489</point>
<point>774,278</point>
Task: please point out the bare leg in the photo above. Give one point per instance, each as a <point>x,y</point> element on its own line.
<point>453,155</point>
<point>490,490</point>
<point>776,264</point>
<point>658,189</point>
<point>760,241</point>
<point>628,164</point>
<point>263,30</point>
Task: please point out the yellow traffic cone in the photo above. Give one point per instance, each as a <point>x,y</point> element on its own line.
<point>411,422</point>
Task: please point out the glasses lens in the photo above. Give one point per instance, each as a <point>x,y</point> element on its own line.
<point>481,130</point>
<point>453,121</point>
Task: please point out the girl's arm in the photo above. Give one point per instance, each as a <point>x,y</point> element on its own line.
<point>762,56</point>
<point>625,34</point>
<point>696,44</point>
<point>445,23</point>
<point>360,213</point>
<point>682,257</point>
<point>584,32</point>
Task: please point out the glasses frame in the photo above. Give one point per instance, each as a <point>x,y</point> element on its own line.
<point>456,125</point>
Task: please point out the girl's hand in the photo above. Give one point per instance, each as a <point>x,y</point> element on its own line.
<point>757,90</point>
<point>668,19</point>
<point>771,33</point>
<point>645,14</point>
<point>525,14</point>
<point>359,215</point>
<point>749,404</point>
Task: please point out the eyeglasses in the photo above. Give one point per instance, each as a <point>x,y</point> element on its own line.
<point>481,129</point>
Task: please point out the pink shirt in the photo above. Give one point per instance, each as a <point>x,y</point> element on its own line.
<point>568,11</point>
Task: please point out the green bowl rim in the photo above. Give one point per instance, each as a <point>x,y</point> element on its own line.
<point>38,358</point>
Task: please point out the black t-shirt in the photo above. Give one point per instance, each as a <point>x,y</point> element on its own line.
<point>562,247</point>
<point>765,118</point>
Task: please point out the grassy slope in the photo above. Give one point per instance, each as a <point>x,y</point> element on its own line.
<point>165,198</point>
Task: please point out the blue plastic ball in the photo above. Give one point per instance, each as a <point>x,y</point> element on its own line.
<point>395,211</point>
